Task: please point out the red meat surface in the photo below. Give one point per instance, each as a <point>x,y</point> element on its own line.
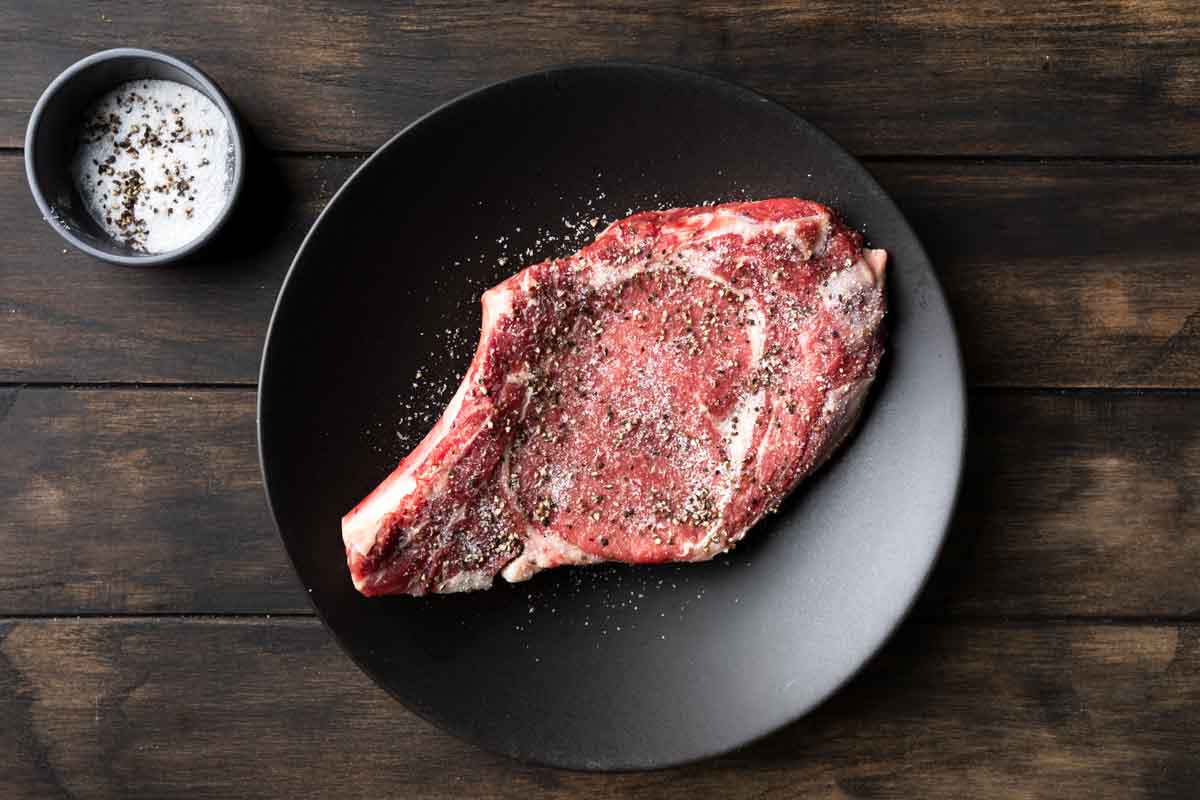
<point>647,399</point>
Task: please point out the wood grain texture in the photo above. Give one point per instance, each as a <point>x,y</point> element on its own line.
<point>123,709</point>
<point>149,501</point>
<point>67,317</point>
<point>135,501</point>
<point>1075,505</point>
<point>1051,78</point>
<point>1063,274</point>
<point>1045,266</point>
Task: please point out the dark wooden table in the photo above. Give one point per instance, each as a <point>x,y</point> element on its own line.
<point>153,641</point>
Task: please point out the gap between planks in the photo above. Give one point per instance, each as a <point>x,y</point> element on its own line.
<point>1184,159</point>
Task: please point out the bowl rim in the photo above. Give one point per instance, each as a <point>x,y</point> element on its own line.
<point>214,93</point>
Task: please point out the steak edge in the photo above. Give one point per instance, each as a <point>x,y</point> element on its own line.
<point>647,399</point>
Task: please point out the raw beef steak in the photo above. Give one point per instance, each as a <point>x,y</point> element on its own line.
<point>647,399</point>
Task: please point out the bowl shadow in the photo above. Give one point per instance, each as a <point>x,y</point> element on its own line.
<point>258,219</point>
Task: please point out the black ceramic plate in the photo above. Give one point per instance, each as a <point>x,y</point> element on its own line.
<point>610,667</point>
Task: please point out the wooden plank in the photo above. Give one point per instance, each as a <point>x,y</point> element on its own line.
<point>135,501</point>
<point>1053,78</point>
<point>67,317</point>
<point>117,501</point>
<point>1063,274</point>
<point>1045,265</point>
<point>1075,505</point>
<point>103,708</point>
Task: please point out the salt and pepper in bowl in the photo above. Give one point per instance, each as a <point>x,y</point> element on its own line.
<point>134,157</point>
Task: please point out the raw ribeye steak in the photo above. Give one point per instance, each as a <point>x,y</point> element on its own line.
<point>647,399</point>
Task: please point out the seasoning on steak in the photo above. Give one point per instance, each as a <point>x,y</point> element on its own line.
<point>647,399</point>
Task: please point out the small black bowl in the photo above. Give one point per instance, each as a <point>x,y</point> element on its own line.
<point>51,138</point>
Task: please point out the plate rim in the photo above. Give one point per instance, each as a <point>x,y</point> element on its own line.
<point>959,387</point>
